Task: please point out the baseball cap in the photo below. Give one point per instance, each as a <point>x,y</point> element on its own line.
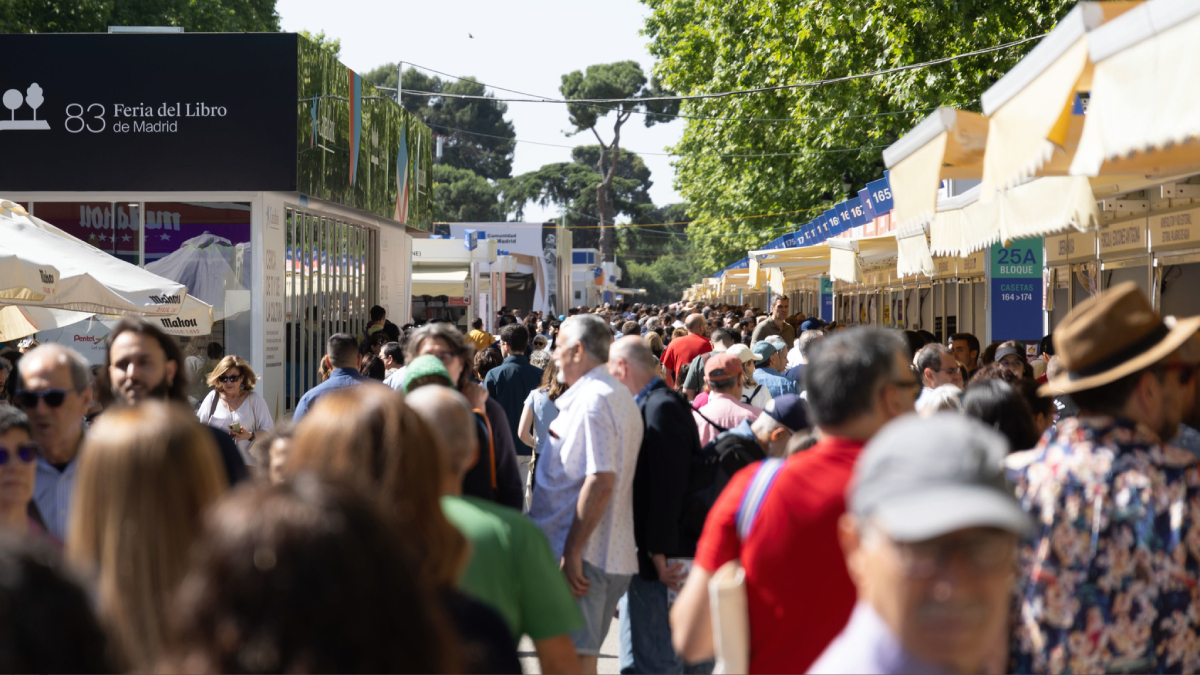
<point>789,410</point>
<point>812,324</point>
<point>423,366</point>
<point>722,367</point>
<point>777,342</point>
<point>742,352</point>
<point>920,478</point>
<point>764,350</point>
<point>1008,351</point>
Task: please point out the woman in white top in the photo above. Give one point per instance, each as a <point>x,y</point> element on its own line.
<point>753,393</point>
<point>234,406</point>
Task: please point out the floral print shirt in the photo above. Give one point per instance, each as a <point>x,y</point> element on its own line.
<point>1108,581</point>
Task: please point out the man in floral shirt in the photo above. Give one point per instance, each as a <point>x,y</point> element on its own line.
<point>1110,581</point>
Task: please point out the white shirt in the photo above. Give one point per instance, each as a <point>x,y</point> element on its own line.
<point>253,414</point>
<point>599,429</point>
<point>396,379</point>
<point>758,400</point>
<point>52,492</point>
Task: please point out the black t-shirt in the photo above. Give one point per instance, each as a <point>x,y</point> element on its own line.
<point>231,459</point>
<point>485,642</point>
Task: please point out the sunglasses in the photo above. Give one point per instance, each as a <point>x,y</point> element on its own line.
<point>26,453</point>
<point>229,378</point>
<point>52,397</point>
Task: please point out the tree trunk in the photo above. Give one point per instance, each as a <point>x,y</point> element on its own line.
<point>603,204</point>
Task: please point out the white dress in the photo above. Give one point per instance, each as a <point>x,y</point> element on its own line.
<point>252,414</point>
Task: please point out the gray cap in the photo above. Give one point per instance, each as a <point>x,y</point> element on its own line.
<point>920,478</point>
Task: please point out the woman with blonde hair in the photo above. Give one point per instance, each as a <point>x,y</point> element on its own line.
<point>655,343</point>
<point>234,406</point>
<point>368,437</point>
<point>146,475</point>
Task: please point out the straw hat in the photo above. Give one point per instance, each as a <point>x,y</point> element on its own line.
<point>1111,335</point>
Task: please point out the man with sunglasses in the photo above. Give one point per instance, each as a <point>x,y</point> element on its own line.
<point>55,390</point>
<point>930,539</point>
<point>1107,583</point>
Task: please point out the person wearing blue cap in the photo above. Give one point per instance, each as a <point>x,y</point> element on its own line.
<point>766,370</point>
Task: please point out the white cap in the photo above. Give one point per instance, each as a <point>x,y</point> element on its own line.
<point>742,352</point>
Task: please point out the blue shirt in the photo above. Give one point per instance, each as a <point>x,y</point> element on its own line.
<point>338,379</point>
<point>867,645</point>
<point>796,374</point>
<point>544,412</point>
<point>509,384</point>
<point>777,384</point>
<point>52,490</point>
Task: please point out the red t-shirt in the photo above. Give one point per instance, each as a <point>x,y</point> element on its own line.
<point>681,351</point>
<point>800,595</point>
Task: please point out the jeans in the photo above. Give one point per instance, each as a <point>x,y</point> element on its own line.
<point>646,632</point>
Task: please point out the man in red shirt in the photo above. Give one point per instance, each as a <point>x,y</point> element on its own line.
<point>682,350</point>
<point>800,595</point>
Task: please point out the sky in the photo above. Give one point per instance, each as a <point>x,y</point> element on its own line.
<point>527,46</point>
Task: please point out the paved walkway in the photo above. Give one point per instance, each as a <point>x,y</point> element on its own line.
<point>610,659</point>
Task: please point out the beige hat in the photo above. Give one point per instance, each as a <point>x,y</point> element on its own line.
<point>1111,335</point>
<point>742,352</point>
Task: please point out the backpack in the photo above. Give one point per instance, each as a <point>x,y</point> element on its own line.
<point>709,472</point>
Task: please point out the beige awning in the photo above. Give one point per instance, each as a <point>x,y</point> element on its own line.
<point>1033,129</point>
<point>1142,116</point>
<point>1040,207</point>
<point>947,144</point>
<point>843,261</point>
<point>912,252</point>
<point>450,283</point>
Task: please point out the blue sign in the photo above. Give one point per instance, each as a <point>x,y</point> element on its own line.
<point>789,240</point>
<point>881,196</point>
<point>826,299</point>
<point>843,211</point>
<point>864,197</point>
<point>832,223</point>
<point>470,240</point>
<point>1016,281</point>
<point>858,216</point>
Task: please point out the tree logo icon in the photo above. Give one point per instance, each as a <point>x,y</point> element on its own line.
<point>33,98</point>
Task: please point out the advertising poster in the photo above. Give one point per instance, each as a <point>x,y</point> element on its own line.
<point>1016,290</point>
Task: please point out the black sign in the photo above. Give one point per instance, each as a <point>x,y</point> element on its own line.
<point>101,112</point>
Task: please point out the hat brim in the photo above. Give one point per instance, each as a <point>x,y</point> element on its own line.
<point>942,510</point>
<point>1064,384</point>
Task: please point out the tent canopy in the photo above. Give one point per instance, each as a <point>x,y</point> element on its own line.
<point>947,144</point>
<point>444,282</point>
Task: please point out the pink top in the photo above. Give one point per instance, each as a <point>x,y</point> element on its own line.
<point>726,411</point>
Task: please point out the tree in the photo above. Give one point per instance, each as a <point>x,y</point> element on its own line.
<point>831,130</point>
<point>621,80</point>
<point>462,196</point>
<point>574,186</point>
<point>658,259</point>
<point>328,44</point>
<point>477,137</point>
<point>95,16</point>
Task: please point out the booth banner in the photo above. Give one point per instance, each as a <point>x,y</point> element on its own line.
<point>1128,236</point>
<point>972,265</point>
<point>1016,290</point>
<point>539,240</point>
<point>1070,247</point>
<point>826,299</point>
<point>1175,230</point>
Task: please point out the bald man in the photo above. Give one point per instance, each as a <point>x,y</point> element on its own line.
<point>511,567</point>
<point>683,350</point>
<point>659,484</point>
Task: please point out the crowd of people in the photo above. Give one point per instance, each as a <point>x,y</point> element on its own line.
<point>744,490</point>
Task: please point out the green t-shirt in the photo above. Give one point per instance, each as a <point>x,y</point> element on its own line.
<point>512,569</point>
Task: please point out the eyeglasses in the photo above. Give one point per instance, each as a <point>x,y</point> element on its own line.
<point>445,357</point>
<point>986,552</point>
<point>229,378</point>
<point>52,397</point>
<point>26,453</point>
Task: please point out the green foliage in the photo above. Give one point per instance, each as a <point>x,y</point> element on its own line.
<point>710,46</point>
<point>462,196</point>
<point>573,185</point>
<point>95,16</point>
<point>478,137</point>
<point>329,44</point>
<point>658,259</point>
